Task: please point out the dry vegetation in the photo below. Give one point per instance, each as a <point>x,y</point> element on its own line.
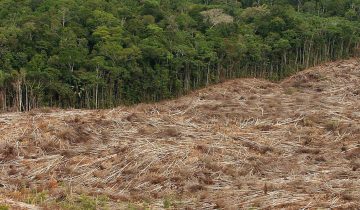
<point>246,143</point>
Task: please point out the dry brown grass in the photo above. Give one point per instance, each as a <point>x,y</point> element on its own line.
<point>242,144</point>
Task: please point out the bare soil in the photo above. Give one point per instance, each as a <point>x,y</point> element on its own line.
<point>245,143</point>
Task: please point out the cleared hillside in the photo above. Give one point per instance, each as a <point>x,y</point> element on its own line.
<point>244,143</point>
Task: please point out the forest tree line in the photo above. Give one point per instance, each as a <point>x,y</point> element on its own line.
<point>103,53</point>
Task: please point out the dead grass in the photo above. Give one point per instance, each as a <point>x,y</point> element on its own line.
<point>242,144</point>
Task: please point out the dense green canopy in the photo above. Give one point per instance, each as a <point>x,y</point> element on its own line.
<point>102,53</point>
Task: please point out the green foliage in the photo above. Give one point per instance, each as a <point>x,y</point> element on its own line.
<point>100,54</point>
<point>84,203</point>
<point>37,198</point>
<point>167,204</point>
<point>3,207</point>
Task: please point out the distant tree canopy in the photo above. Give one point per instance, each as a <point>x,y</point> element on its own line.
<point>100,54</point>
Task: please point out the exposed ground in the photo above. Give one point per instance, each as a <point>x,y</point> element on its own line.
<point>246,143</point>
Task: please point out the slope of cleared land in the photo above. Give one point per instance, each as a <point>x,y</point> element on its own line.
<point>244,143</point>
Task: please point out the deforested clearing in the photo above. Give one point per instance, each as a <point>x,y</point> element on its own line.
<point>245,143</point>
